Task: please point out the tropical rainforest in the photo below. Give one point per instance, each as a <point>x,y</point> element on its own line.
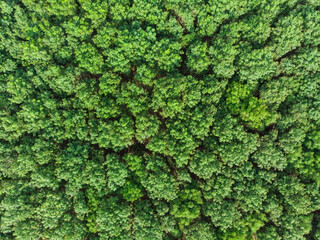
<point>159,119</point>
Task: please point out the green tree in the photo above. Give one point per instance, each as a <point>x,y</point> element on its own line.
<point>149,119</point>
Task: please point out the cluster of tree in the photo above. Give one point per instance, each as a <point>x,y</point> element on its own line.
<point>151,119</point>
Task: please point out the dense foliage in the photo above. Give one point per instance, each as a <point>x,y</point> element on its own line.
<point>160,119</point>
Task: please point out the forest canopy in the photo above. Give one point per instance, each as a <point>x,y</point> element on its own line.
<point>159,119</point>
